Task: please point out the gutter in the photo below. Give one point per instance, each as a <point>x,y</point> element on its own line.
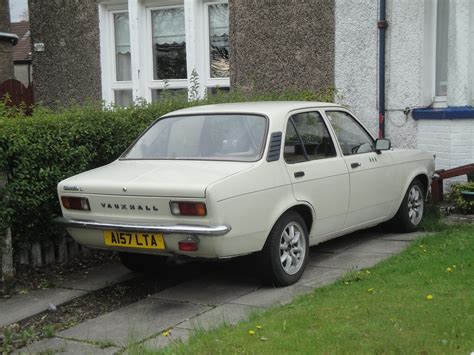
<point>13,38</point>
<point>382,26</point>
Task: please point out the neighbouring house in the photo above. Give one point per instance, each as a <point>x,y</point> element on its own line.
<point>22,52</point>
<point>119,51</point>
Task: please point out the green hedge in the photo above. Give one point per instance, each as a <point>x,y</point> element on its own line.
<point>39,151</point>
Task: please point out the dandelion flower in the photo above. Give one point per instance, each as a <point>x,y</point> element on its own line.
<point>449,269</point>
<point>367,271</point>
<point>166,333</point>
<point>370,290</point>
<point>429,297</point>
<point>258,326</point>
<point>251,332</point>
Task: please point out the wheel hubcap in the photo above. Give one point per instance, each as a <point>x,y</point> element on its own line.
<point>415,205</point>
<point>292,248</point>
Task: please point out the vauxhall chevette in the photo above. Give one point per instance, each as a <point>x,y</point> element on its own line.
<point>221,181</point>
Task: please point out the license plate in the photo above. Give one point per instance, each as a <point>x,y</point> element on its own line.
<point>134,240</point>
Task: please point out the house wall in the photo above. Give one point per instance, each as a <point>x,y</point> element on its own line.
<point>68,70</point>
<point>280,44</point>
<point>356,72</point>
<point>6,56</point>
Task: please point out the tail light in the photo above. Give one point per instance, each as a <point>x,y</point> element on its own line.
<point>188,245</point>
<point>75,203</point>
<point>181,208</point>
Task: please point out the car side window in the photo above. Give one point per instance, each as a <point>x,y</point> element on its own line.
<point>350,134</point>
<point>307,138</point>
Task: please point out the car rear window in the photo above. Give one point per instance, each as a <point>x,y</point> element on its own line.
<point>233,137</point>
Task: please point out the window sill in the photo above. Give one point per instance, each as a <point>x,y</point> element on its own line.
<point>447,113</point>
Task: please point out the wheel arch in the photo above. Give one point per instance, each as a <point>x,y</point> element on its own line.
<point>305,210</point>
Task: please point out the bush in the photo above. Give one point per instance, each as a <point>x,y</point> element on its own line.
<point>38,151</point>
<point>462,205</point>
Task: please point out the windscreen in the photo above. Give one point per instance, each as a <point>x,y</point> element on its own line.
<point>233,137</point>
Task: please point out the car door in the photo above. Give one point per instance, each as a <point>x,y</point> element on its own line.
<point>318,173</point>
<point>372,185</point>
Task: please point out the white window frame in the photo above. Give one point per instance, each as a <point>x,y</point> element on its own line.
<point>208,81</point>
<point>438,101</point>
<point>107,44</point>
<point>196,13</point>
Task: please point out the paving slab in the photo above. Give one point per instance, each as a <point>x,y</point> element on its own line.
<point>229,314</point>
<point>350,260</point>
<point>100,277</point>
<point>208,290</point>
<point>317,257</point>
<point>134,322</point>
<point>64,346</point>
<point>25,305</point>
<point>338,244</point>
<point>319,276</point>
<point>404,236</point>
<point>269,296</point>
<point>382,246</point>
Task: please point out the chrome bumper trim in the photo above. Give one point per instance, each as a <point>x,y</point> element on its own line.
<point>171,229</point>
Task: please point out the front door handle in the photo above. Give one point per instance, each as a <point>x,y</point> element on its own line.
<point>355,165</point>
<point>299,174</point>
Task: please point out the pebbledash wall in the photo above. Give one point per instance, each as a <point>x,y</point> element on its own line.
<point>411,120</point>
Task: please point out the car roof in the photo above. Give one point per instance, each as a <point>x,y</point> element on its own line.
<point>270,108</point>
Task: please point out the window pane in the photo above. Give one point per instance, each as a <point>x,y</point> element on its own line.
<point>352,137</point>
<point>123,64</point>
<point>203,137</point>
<point>293,152</point>
<point>442,48</point>
<point>312,130</point>
<point>169,44</point>
<point>219,40</point>
<point>159,94</point>
<point>123,97</point>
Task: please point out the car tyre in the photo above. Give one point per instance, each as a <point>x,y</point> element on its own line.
<point>142,263</point>
<point>285,254</point>
<point>410,212</point>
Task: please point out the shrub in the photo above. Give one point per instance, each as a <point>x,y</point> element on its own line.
<point>457,198</point>
<point>38,151</point>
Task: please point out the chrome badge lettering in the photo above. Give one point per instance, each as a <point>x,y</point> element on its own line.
<point>72,188</point>
<point>128,207</point>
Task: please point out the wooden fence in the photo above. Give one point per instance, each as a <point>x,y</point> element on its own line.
<point>17,94</point>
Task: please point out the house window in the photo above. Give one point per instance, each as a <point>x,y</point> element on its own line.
<point>154,45</point>
<point>442,21</point>
<point>219,40</point>
<point>169,44</point>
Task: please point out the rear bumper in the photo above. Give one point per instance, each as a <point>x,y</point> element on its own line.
<point>169,229</point>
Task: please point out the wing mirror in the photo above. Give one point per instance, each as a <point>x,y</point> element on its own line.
<point>382,144</point>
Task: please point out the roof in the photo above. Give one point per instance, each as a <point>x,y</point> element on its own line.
<point>22,51</point>
<point>262,107</point>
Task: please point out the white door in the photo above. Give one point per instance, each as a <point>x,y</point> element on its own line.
<point>318,173</point>
<point>372,185</point>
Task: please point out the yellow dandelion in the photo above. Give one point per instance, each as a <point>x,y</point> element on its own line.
<point>166,333</point>
<point>367,271</point>
<point>258,326</point>
<point>370,290</point>
<point>429,297</point>
<point>346,282</point>
<point>251,332</point>
<point>449,269</point>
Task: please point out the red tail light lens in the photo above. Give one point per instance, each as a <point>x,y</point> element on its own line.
<point>75,203</point>
<point>188,245</point>
<point>188,208</point>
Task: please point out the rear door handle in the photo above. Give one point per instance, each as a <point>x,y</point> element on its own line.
<point>299,174</point>
<point>355,165</point>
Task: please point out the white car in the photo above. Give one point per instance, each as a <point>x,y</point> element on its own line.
<point>226,180</point>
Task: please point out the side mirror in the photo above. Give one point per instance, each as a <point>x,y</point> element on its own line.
<point>382,144</point>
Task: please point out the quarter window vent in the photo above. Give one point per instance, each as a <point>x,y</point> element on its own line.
<point>275,146</point>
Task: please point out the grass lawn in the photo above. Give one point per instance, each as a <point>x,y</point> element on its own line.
<point>421,301</point>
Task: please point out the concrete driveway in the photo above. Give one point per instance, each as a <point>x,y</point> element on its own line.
<point>227,294</point>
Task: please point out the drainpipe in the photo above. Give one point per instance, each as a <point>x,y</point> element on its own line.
<point>382,26</point>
